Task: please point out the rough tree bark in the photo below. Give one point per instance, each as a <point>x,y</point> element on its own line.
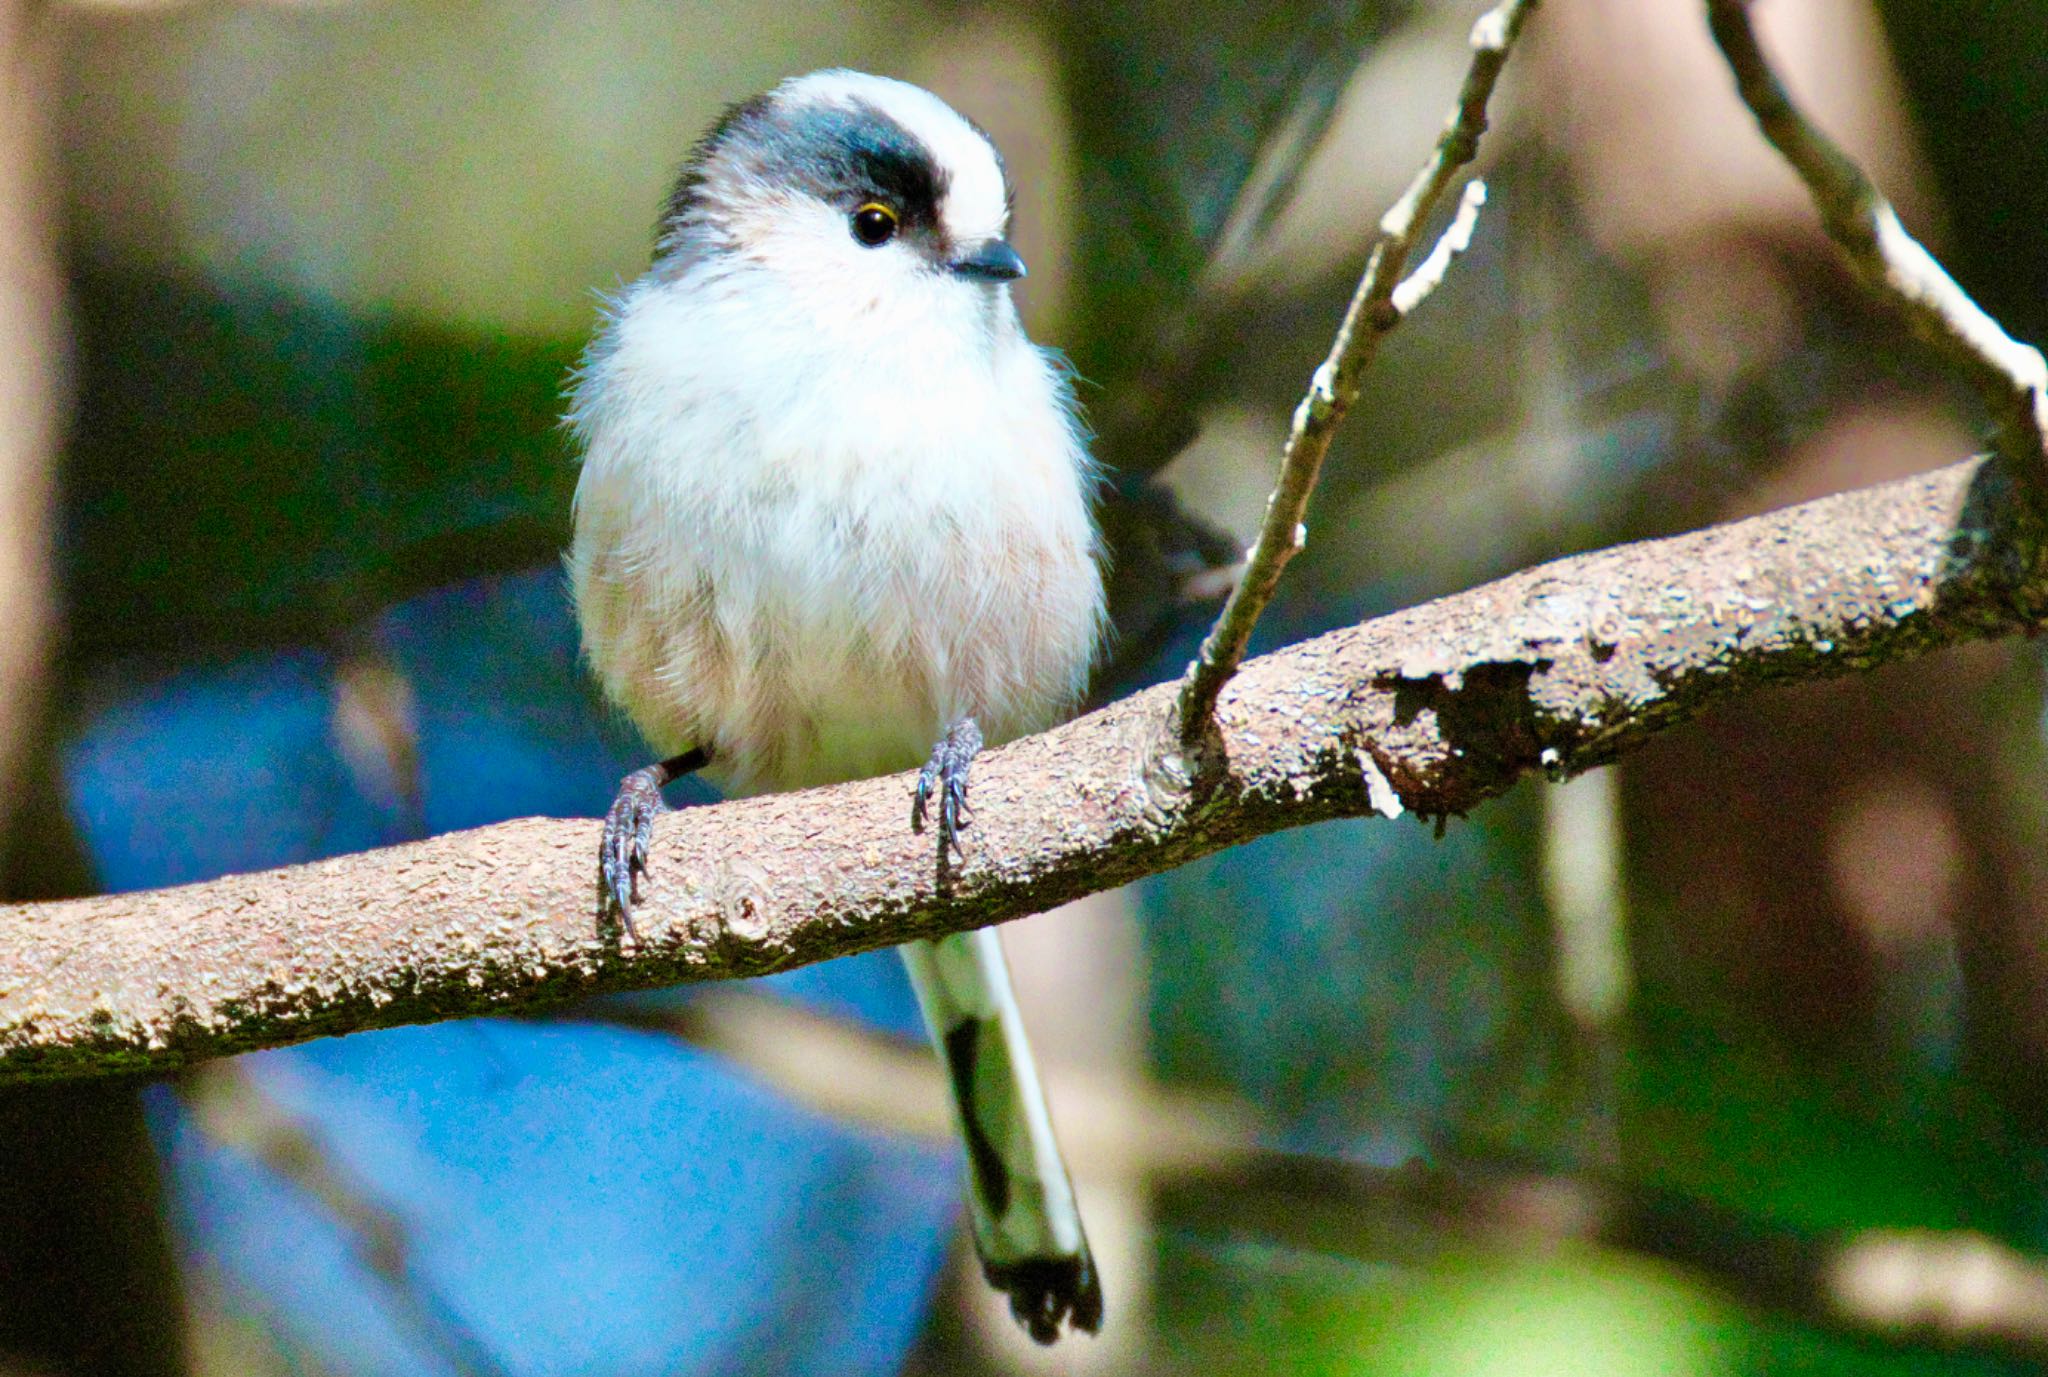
<point>1430,711</point>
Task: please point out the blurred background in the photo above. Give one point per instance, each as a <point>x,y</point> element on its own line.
<point>287,297</point>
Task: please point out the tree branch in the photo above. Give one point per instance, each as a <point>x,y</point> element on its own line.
<point>1960,1289</point>
<point>234,1110</point>
<point>1372,315</point>
<point>1429,711</point>
<point>2011,377</point>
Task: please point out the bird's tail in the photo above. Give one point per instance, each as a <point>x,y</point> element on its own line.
<point>1026,1226</point>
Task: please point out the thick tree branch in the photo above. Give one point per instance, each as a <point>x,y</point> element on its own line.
<point>1383,297</point>
<point>1429,711</point>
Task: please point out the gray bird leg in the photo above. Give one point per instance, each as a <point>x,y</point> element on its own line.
<point>946,774</point>
<point>629,828</point>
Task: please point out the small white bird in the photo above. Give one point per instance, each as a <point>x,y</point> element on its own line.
<point>834,509</point>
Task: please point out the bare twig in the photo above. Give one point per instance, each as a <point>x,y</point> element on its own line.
<point>1429,711</point>
<point>1372,314</point>
<point>1963,1290</point>
<point>1415,288</point>
<point>862,1076</point>
<point>1958,1289</point>
<point>2011,377</point>
<point>232,1108</point>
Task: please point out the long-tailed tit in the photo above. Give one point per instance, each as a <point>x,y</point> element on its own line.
<point>835,508</point>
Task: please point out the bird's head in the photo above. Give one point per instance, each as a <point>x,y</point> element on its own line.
<point>856,194</point>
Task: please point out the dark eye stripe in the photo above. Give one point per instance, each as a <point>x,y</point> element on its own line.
<point>842,153</point>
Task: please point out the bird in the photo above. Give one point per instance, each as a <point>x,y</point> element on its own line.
<point>835,519</point>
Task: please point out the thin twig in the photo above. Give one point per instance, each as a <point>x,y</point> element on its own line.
<point>1450,246</point>
<point>1962,1290</point>
<point>1959,1290</point>
<point>858,1075</point>
<point>1371,315</point>
<point>2011,377</point>
<point>233,1110</point>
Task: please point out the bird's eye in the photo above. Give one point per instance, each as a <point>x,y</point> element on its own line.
<point>874,224</point>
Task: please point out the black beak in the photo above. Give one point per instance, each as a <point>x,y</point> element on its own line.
<point>993,261</point>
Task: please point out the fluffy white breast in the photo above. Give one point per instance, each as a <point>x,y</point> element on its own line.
<point>811,538</point>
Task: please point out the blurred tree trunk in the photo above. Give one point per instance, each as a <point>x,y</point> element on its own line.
<point>87,1284</point>
<point>1817,862</point>
<point>30,329</point>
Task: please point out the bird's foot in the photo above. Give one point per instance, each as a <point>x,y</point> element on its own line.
<point>1046,1292</point>
<point>629,830</point>
<point>946,775</point>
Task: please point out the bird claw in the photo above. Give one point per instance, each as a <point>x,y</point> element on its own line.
<point>946,775</point>
<point>628,832</point>
<point>1048,1294</point>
